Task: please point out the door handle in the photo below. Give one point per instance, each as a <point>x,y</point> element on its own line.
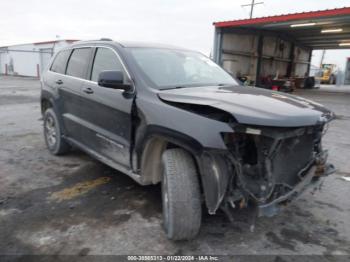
<point>59,82</point>
<point>88,90</point>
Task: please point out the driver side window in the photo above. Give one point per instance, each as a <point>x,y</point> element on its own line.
<point>105,59</point>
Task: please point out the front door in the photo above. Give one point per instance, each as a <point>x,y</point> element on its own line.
<point>107,111</point>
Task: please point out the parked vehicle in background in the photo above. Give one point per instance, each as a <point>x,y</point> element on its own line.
<point>167,115</point>
<point>284,85</point>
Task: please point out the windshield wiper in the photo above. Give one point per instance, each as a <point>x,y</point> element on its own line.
<point>173,87</point>
<point>225,84</point>
<point>204,85</point>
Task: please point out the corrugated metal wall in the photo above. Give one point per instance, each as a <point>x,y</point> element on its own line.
<point>239,56</point>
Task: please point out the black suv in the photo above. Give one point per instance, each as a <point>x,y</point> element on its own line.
<point>172,116</point>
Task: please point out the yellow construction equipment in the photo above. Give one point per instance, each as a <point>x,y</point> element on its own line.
<point>328,74</point>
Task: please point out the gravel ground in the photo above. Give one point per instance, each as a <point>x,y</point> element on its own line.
<point>74,205</point>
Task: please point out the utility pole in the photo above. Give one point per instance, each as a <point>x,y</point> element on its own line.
<point>252,7</point>
<point>322,57</point>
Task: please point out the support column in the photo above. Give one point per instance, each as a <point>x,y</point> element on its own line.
<point>309,64</point>
<point>259,59</point>
<point>291,63</point>
<point>217,46</point>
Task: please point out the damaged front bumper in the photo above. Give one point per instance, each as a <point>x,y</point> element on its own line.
<point>312,178</point>
<point>265,170</point>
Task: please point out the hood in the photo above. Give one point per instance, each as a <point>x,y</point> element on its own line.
<point>253,106</point>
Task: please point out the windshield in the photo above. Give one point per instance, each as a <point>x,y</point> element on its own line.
<point>168,68</point>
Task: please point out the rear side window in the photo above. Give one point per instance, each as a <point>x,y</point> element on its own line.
<point>105,59</point>
<point>78,62</point>
<point>60,62</point>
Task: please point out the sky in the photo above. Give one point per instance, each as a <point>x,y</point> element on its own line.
<point>185,23</point>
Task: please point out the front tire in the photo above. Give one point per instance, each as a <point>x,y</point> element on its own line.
<point>53,134</point>
<point>182,211</point>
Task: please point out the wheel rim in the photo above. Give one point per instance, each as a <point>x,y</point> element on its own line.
<point>165,201</point>
<point>50,131</point>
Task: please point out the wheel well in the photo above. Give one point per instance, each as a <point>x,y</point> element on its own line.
<point>151,162</point>
<point>45,104</point>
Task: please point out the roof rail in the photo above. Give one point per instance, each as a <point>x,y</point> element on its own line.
<point>105,39</point>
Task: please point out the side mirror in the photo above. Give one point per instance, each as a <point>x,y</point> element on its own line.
<point>113,79</point>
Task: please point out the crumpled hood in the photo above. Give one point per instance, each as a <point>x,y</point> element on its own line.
<point>254,106</point>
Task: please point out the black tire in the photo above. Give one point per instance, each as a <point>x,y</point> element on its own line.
<point>182,211</point>
<point>309,82</point>
<point>52,129</point>
<point>332,80</point>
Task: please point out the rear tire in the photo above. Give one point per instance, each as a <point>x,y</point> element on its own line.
<point>182,211</point>
<point>53,134</point>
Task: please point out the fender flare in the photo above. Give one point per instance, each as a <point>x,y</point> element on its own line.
<point>213,170</point>
<point>152,143</point>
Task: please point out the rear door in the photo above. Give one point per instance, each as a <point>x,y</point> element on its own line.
<point>107,111</point>
<point>71,95</point>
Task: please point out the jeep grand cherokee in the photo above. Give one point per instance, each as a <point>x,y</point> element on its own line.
<point>167,115</point>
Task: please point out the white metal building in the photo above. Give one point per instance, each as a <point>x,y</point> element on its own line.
<point>29,59</point>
